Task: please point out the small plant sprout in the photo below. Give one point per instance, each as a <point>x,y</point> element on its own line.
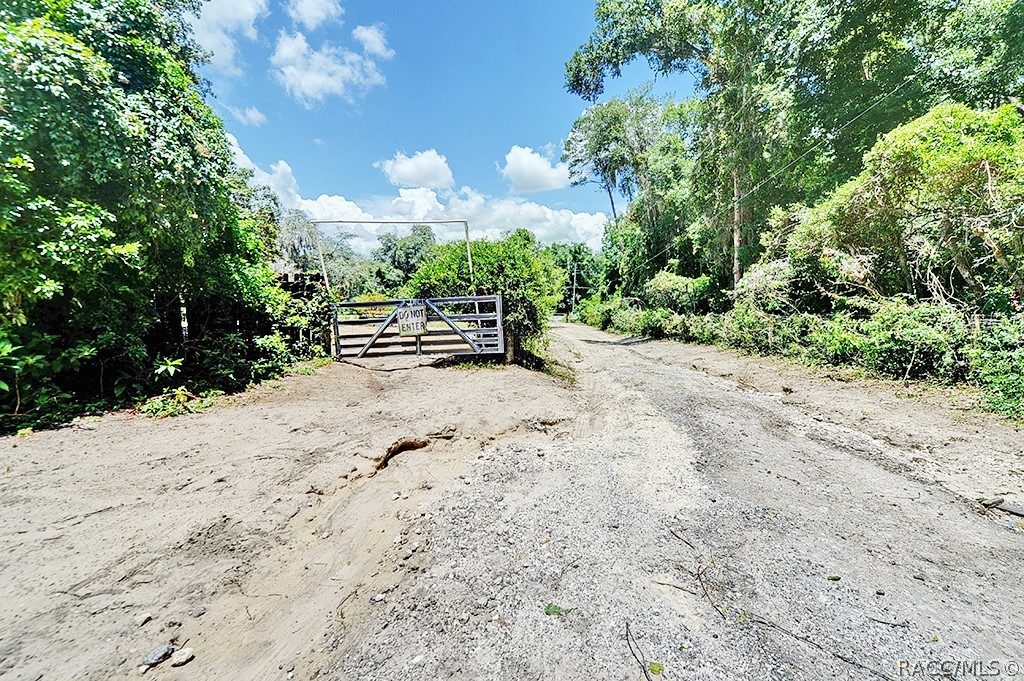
<point>168,367</point>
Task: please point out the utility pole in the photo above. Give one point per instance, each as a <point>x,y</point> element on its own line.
<point>572,301</point>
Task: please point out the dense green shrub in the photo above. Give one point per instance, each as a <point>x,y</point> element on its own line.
<point>676,326</point>
<point>119,206</point>
<point>654,323</point>
<point>705,329</point>
<point>679,294</point>
<point>516,267</point>
<point>626,318</point>
<point>925,341</point>
<point>767,286</point>
<point>596,312</point>
<point>835,340</point>
<point>233,362</point>
<point>920,341</point>
<point>935,213</point>
<point>996,360</point>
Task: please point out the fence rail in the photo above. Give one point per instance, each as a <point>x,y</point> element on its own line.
<point>470,325</point>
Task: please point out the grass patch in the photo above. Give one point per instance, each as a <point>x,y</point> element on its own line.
<point>556,610</point>
<point>178,402</point>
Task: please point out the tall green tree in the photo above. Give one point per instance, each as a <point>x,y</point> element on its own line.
<point>118,202</point>
<point>792,93</point>
<point>405,253</point>
<point>726,47</point>
<point>608,144</point>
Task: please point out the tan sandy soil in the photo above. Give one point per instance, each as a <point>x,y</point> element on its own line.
<point>701,496</point>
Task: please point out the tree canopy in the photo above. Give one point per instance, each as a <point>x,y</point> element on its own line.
<point>120,204</point>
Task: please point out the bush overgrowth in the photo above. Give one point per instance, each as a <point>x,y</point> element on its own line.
<point>120,208</point>
<point>897,341</point>
<point>515,267</point>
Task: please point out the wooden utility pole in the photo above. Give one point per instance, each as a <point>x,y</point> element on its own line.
<point>572,308</point>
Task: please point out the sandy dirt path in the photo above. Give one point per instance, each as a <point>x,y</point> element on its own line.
<point>698,498</point>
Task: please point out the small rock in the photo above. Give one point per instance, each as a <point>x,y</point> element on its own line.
<point>378,598</point>
<point>499,497</point>
<point>173,622</point>
<point>464,618</point>
<point>182,657</point>
<point>396,496</point>
<point>198,612</point>
<point>143,618</point>
<point>481,602</point>
<point>879,593</point>
<point>158,655</point>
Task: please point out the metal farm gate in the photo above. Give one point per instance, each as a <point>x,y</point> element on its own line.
<point>470,325</point>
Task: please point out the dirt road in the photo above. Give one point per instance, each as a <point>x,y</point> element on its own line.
<point>680,512</point>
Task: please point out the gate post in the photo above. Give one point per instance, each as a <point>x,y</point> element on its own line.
<point>335,331</point>
<point>500,314</point>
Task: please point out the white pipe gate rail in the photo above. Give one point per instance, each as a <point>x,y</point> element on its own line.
<point>468,325</point>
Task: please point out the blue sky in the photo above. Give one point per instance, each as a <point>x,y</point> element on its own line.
<point>395,109</point>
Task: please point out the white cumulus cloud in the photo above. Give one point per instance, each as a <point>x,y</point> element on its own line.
<point>281,178</point>
<point>496,215</point>
<point>488,217</point>
<point>313,13</point>
<point>250,116</point>
<point>417,203</point>
<point>529,171</point>
<point>373,41</point>
<point>310,76</point>
<point>219,24</point>
<point>423,169</point>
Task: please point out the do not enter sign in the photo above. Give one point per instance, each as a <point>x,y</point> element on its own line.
<point>412,320</point>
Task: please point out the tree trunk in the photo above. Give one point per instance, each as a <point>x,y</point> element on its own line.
<point>1016,280</point>
<point>737,228</point>
<point>908,274</point>
<point>960,261</point>
<point>612,199</point>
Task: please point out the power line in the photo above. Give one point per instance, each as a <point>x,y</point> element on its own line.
<point>732,204</point>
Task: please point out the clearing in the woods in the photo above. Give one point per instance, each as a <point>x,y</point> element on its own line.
<point>676,512</point>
